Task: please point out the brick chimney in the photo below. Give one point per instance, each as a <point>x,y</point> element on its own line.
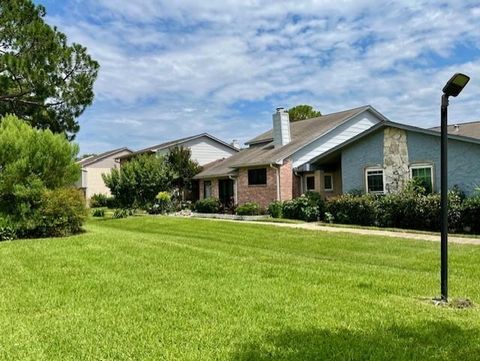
<point>281,128</point>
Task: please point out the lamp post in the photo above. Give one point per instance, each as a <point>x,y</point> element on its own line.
<point>453,87</point>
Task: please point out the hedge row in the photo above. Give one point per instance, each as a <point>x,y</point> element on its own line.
<point>410,209</point>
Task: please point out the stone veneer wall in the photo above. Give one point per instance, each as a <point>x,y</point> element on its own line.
<point>395,159</point>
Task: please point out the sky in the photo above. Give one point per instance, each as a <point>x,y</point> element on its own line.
<point>171,69</point>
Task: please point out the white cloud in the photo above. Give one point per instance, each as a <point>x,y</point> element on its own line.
<point>173,68</point>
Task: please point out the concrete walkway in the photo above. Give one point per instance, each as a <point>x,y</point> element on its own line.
<point>364,231</point>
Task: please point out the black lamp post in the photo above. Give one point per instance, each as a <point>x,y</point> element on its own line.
<point>453,87</point>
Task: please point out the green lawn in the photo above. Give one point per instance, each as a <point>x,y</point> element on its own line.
<point>159,288</point>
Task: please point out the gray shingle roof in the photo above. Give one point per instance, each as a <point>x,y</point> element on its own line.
<point>471,129</point>
<point>262,151</point>
<point>90,160</point>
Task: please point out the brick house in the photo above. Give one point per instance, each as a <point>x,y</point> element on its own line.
<point>275,166</point>
<point>357,149</point>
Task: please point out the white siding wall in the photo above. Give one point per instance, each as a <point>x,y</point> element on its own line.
<point>336,137</point>
<point>95,183</point>
<point>205,150</point>
<point>92,175</point>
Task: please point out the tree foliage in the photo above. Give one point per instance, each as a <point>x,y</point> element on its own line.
<point>138,181</point>
<point>302,112</point>
<point>183,168</point>
<point>43,80</point>
<point>31,162</point>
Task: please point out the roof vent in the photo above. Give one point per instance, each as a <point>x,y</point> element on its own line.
<point>456,128</point>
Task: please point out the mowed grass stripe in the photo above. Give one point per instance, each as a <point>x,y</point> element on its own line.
<point>181,289</point>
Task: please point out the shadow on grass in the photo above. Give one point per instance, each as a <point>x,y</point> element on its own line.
<point>427,341</point>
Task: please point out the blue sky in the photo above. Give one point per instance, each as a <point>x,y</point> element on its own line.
<point>175,68</point>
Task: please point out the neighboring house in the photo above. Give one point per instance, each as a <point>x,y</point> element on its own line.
<point>357,149</point>
<point>205,148</point>
<point>93,167</point>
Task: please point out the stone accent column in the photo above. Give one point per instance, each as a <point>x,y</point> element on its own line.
<point>395,159</point>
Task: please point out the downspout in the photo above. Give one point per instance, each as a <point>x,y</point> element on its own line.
<point>301,180</point>
<point>278,181</point>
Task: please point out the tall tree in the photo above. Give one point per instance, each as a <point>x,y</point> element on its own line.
<point>43,80</point>
<point>302,112</point>
<point>139,180</point>
<point>183,168</point>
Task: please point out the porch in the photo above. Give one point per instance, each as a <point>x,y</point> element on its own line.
<point>323,176</point>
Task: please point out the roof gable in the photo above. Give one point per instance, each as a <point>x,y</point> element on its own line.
<point>178,142</point>
<point>96,158</point>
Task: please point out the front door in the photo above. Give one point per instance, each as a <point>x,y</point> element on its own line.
<point>225,192</point>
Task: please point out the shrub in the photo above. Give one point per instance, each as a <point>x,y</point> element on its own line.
<point>317,200</point>
<point>471,213</point>
<point>62,213</point>
<point>400,210</point>
<point>32,161</point>
<point>102,200</point>
<point>98,212</point>
<point>350,209</point>
<point>301,208</point>
<point>275,209</point>
<point>249,209</point>
<point>121,213</point>
<point>456,200</point>
<point>208,205</point>
<point>98,200</point>
<point>163,204</point>
<point>8,231</point>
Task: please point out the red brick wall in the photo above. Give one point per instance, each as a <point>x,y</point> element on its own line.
<point>265,194</point>
<point>214,187</point>
<point>296,188</point>
<point>262,194</point>
<point>286,181</point>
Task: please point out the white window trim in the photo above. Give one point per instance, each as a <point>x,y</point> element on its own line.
<point>374,169</point>
<point>331,176</point>
<point>306,182</point>
<point>423,165</point>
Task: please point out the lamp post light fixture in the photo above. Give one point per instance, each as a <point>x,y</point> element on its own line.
<point>453,87</point>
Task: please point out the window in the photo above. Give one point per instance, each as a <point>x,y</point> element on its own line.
<point>257,176</point>
<point>375,180</point>
<point>424,173</point>
<point>310,183</point>
<point>328,182</point>
<point>207,189</point>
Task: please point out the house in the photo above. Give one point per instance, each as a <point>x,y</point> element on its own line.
<point>205,148</point>
<point>357,149</point>
<point>91,181</point>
